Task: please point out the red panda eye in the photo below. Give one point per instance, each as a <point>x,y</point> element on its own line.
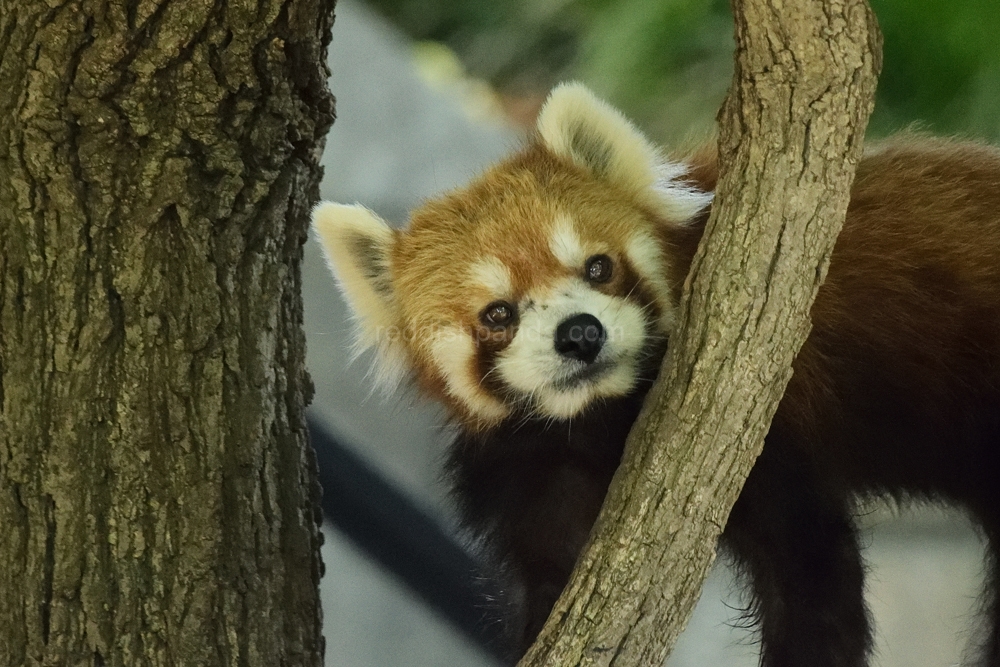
<point>498,313</point>
<point>599,269</point>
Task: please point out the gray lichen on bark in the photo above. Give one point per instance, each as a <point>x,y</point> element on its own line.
<point>157,497</point>
<point>791,132</point>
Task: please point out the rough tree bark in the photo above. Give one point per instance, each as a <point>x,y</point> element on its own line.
<point>791,132</point>
<point>158,501</point>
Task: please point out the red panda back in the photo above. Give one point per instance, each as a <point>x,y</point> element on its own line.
<point>900,377</point>
<point>898,385</point>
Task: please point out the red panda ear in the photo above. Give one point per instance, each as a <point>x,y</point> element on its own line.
<point>576,125</point>
<point>357,244</point>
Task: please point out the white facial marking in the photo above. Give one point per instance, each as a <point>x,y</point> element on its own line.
<point>647,259</point>
<point>565,243</point>
<point>493,275</point>
<point>453,351</point>
<point>561,387</point>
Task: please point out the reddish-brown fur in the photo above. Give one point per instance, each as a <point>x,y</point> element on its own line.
<point>506,213</point>
<point>896,391</point>
<point>588,231</point>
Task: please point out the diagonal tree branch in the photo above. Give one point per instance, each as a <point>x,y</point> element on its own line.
<point>791,134</point>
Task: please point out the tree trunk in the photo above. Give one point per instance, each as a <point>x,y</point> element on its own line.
<point>158,500</point>
<point>790,137</point>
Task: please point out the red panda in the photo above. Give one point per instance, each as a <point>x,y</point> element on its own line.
<point>537,302</point>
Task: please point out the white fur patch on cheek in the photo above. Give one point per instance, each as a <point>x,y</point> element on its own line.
<point>492,275</point>
<point>453,351</point>
<point>648,260</point>
<point>533,368</point>
<point>530,362</point>
<point>565,243</point>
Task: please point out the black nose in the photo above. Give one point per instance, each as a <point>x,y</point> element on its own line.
<point>580,337</point>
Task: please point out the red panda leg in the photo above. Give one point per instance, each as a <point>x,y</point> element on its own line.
<point>797,544</point>
<point>537,511</point>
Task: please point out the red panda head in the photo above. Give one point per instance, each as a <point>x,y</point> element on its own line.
<point>539,288</point>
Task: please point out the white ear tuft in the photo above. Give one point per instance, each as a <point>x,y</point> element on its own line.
<point>357,244</point>
<point>576,125</point>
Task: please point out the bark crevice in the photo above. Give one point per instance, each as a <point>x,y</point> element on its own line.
<point>156,490</point>
<point>790,136</point>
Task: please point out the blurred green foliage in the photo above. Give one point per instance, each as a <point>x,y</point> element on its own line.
<point>941,66</point>
<point>668,62</point>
